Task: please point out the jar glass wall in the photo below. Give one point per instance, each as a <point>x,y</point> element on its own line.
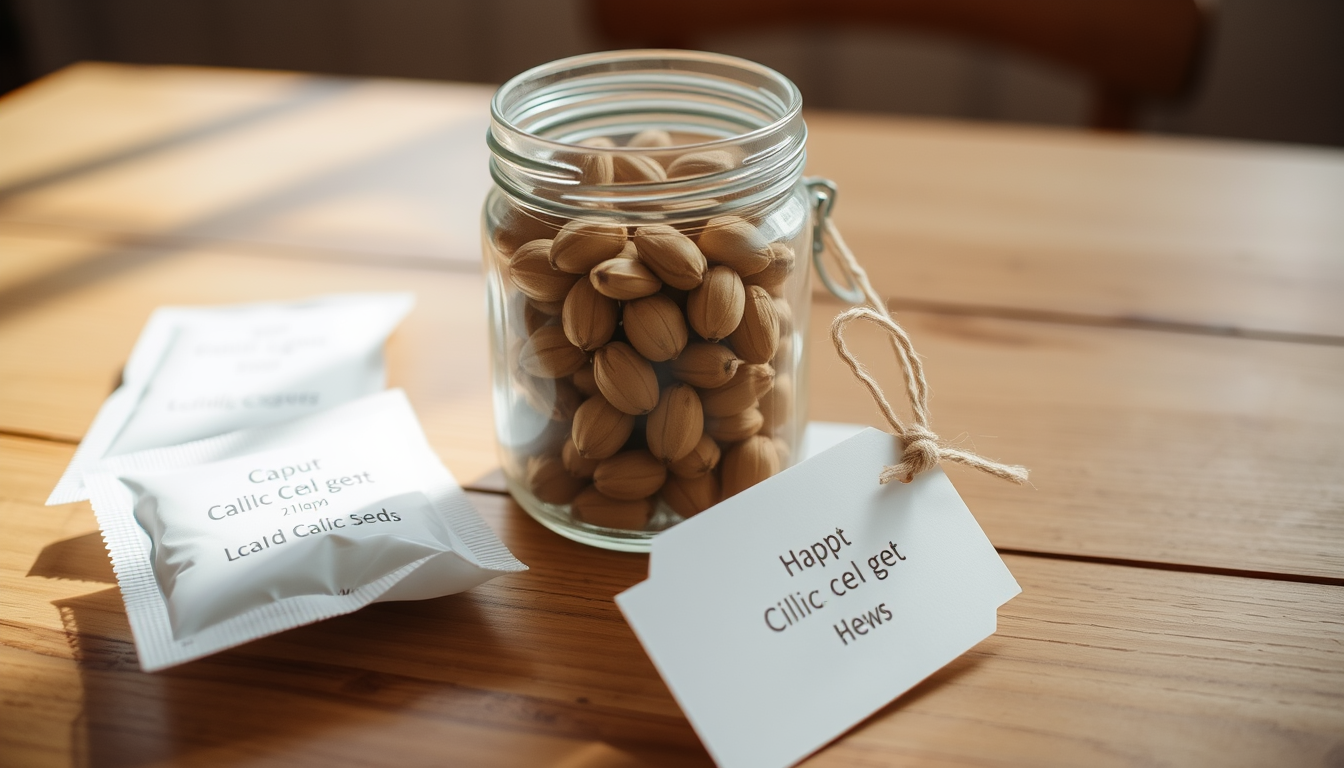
<point>646,246</point>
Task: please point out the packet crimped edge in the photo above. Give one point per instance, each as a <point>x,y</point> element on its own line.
<point>129,545</point>
<point>147,355</point>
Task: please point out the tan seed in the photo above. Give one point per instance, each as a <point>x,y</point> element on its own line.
<point>689,496</point>
<point>735,242</point>
<point>776,273</point>
<point>655,327</point>
<point>516,226</point>
<point>549,481</point>
<point>599,429</point>
<point>671,255</point>
<point>596,167</point>
<point>632,168</point>
<point>556,398</point>
<point>625,378</point>
<point>551,308</point>
<point>676,425</point>
<point>701,164</point>
<point>784,311</point>
<point>742,392</point>
<point>585,381</point>
<point>702,459</point>
<point>584,243</point>
<point>548,353</point>
<point>757,336</point>
<point>624,279</point>
<point>747,464</point>
<point>576,463</point>
<point>714,308</point>
<point>777,404</point>
<point>651,137</point>
<point>523,315</point>
<point>705,365</point>
<point>530,269</point>
<point>588,317</point>
<point>735,427</point>
<point>596,508</point>
<point>630,475</point>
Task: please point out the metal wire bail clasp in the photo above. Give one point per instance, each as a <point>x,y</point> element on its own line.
<point>823,193</point>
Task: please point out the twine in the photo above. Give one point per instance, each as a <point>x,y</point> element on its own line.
<point>923,448</point>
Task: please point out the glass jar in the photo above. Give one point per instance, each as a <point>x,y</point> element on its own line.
<point>646,247</point>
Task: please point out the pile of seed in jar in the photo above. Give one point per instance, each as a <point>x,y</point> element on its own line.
<point>655,347</point>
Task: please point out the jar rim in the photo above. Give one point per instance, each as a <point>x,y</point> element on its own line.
<point>791,103</point>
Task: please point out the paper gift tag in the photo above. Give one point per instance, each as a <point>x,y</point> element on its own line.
<point>787,614</point>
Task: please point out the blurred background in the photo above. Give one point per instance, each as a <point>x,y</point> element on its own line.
<point>1267,70</point>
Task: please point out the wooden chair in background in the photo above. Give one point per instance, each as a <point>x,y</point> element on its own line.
<point>1130,50</point>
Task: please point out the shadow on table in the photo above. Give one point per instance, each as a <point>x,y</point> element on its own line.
<point>404,683</point>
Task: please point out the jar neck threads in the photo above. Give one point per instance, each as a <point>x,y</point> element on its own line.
<point>553,125</point>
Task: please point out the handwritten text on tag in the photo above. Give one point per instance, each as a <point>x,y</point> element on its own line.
<point>789,613</point>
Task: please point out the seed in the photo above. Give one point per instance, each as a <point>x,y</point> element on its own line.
<point>548,353</point>
<point>625,378</point>
<point>550,308</point>
<point>630,168</point>
<point>671,255</point>
<point>599,429</point>
<point>557,398</point>
<point>624,279</point>
<point>689,496</point>
<point>750,383</point>
<point>549,481</point>
<point>783,311</point>
<point>517,226</point>
<point>523,315</point>
<point>714,308</point>
<point>595,508</point>
<point>596,167</point>
<point>588,317</point>
<point>582,244</point>
<point>733,241</point>
<point>701,164</point>
<point>747,464</point>
<point>773,277</point>
<point>706,365</point>
<point>575,463</point>
<point>735,427</point>
<point>702,459</point>
<point>676,424</point>
<point>655,327</point>
<point>530,269</point>
<point>651,137</point>
<point>585,381</point>
<point>630,475</point>
<point>757,336</point>
<point>777,404</point>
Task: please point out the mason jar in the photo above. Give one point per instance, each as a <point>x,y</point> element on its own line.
<point>647,243</point>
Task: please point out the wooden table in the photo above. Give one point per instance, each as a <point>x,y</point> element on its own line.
<point>1154,326</point>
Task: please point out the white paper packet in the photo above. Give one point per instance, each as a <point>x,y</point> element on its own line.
<point>242,535</point>
<point>202,371</point>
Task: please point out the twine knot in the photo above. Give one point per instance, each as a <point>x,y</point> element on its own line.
<point>923,450</point>
<point>921,453</point>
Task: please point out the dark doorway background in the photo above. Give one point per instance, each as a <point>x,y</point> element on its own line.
<point>1274,70</point>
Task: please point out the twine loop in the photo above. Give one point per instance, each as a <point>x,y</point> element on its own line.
<point>923,448</point>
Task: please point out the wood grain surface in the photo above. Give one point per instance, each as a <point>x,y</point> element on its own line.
<point>1092,664</point>
<point>1153,326</point>
<point>1140,441</point>
<point>1074,227</point>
